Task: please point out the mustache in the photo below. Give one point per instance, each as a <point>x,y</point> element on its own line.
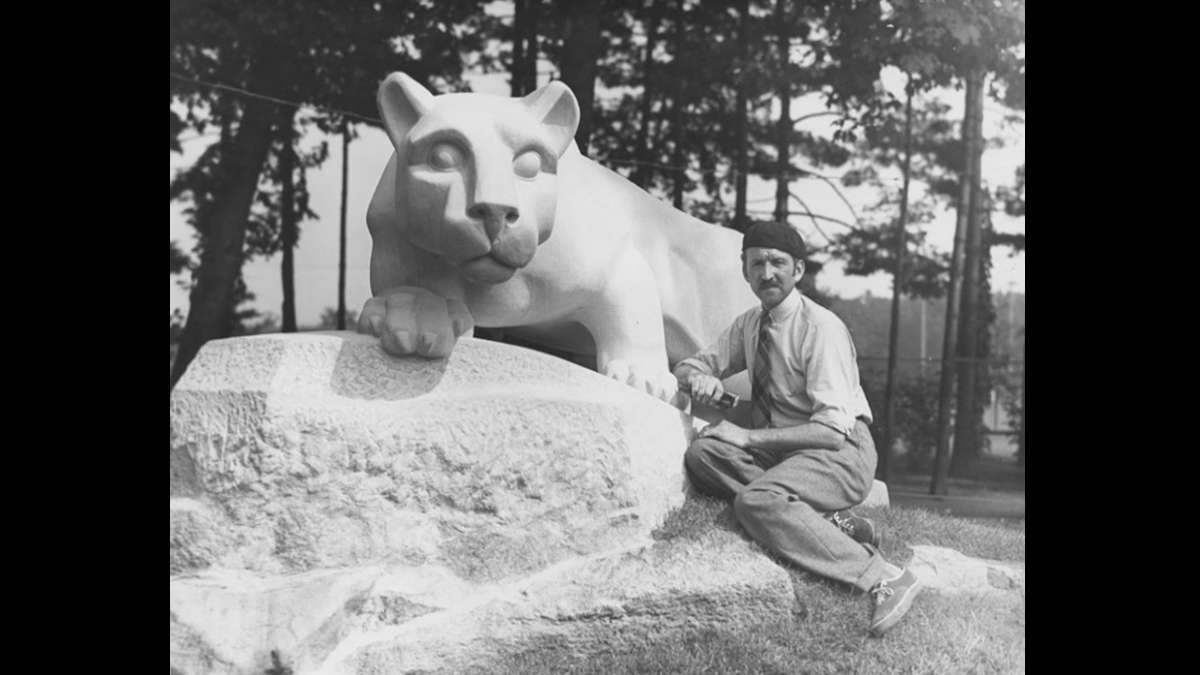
<point>769,284</point>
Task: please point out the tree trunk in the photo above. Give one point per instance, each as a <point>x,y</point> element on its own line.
<point>341,310</point>
<point>529,70</point>
<point>523,69</point>
<point>966,422</point>
<point>221,259</point>
<point>580,55</point>
<point>516,69</point>
<point>938,485</point>
<point>783,130</point>
<point>677,156</point>
<point>641,171</point>
<point>741,142</point>
<point>889,394</point>
<point>287,220</point>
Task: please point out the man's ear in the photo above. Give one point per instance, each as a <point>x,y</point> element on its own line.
<point>799,270</point>
<point>554,105</point>
<point>402,101</point>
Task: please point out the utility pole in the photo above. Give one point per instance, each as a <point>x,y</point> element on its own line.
<point>341,310</point>
<point>923,350</point>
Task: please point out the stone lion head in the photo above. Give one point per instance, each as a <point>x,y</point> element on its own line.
<point>475,174</point>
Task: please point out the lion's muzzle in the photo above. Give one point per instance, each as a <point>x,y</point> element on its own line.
<point>512,242</point>
<point>487,270</point>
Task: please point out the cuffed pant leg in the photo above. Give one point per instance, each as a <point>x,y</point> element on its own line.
<point>783,510</point>
<point>801,535</point>
<point>719,469</point>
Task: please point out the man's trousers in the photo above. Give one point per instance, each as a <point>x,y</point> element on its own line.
<point>781,498</point>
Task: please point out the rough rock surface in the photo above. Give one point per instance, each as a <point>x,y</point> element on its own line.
<point>367,620</point>
<point>357,513</point>
<point>878,497</point>
<point>305,451</point>
<point>948,571</point>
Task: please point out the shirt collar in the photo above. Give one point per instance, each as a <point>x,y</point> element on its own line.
<point>786,307</point>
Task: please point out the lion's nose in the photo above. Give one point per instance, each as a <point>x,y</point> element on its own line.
<point>494,216</point>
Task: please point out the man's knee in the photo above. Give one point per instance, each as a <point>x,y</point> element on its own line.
<point>702,451</point>
<point>753,505</point>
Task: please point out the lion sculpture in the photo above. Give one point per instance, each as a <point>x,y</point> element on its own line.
<point>488,215</point>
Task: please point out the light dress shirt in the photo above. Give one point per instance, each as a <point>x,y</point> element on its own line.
<point>814,367</point>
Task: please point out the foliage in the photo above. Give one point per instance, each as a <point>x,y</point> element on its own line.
<point>179,259</point>
<point>1014,197</point>
<point>933,44</point>
<point>915,413</point>
<point>321,52</point>
<point>697,64</point>
<point>867,251</point>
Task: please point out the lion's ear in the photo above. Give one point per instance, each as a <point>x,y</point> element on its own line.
<point>554,105</point>
<point>402,101</point>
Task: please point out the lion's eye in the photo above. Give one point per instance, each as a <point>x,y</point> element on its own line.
<point>527,164</point>
<point>445,156</point>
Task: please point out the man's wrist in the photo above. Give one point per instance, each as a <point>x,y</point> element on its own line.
<point>754,437</point>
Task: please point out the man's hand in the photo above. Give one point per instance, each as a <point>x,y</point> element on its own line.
<point>705,388</point>
<point>728,432</point>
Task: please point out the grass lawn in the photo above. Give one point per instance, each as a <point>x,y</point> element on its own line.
<point>940,634</point>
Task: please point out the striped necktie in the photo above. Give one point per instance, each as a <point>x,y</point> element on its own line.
<point>760,409</point>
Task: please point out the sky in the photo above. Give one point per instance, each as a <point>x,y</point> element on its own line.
<point>316,256</point>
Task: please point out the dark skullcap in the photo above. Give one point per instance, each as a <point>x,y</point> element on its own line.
<point>775,235</point>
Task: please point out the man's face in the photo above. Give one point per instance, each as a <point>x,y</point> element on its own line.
<point>771,273</point>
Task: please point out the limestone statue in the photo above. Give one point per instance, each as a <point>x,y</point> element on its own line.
<point>487,214</point>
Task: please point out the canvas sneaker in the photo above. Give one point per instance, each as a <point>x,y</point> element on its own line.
<point>862,530</point>
<point>893,598</point>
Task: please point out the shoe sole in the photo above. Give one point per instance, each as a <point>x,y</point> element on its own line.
<point>897,613</point>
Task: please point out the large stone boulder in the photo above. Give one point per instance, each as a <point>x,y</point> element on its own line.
<point>345,511</point>
<point>307,453</point>
<point>304,451</point>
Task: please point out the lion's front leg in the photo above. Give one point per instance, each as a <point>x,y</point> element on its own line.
<point>417,309</point>
<point>625,320</point>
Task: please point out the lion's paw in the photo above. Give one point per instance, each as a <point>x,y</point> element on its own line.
<point>414,321</point>
<point>658,383</point>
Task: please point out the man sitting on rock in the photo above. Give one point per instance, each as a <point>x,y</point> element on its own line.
<point>809,456</point>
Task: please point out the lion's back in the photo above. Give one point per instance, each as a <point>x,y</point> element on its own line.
<point>697,265</point>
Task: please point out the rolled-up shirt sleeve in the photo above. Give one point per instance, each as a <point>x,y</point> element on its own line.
<point>724,358</point>
<point>832,377</point>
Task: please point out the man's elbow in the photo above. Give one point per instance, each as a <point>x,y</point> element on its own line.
<point>829,435</point>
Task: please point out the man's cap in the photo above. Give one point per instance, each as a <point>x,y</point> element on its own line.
<point>771,234</point>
